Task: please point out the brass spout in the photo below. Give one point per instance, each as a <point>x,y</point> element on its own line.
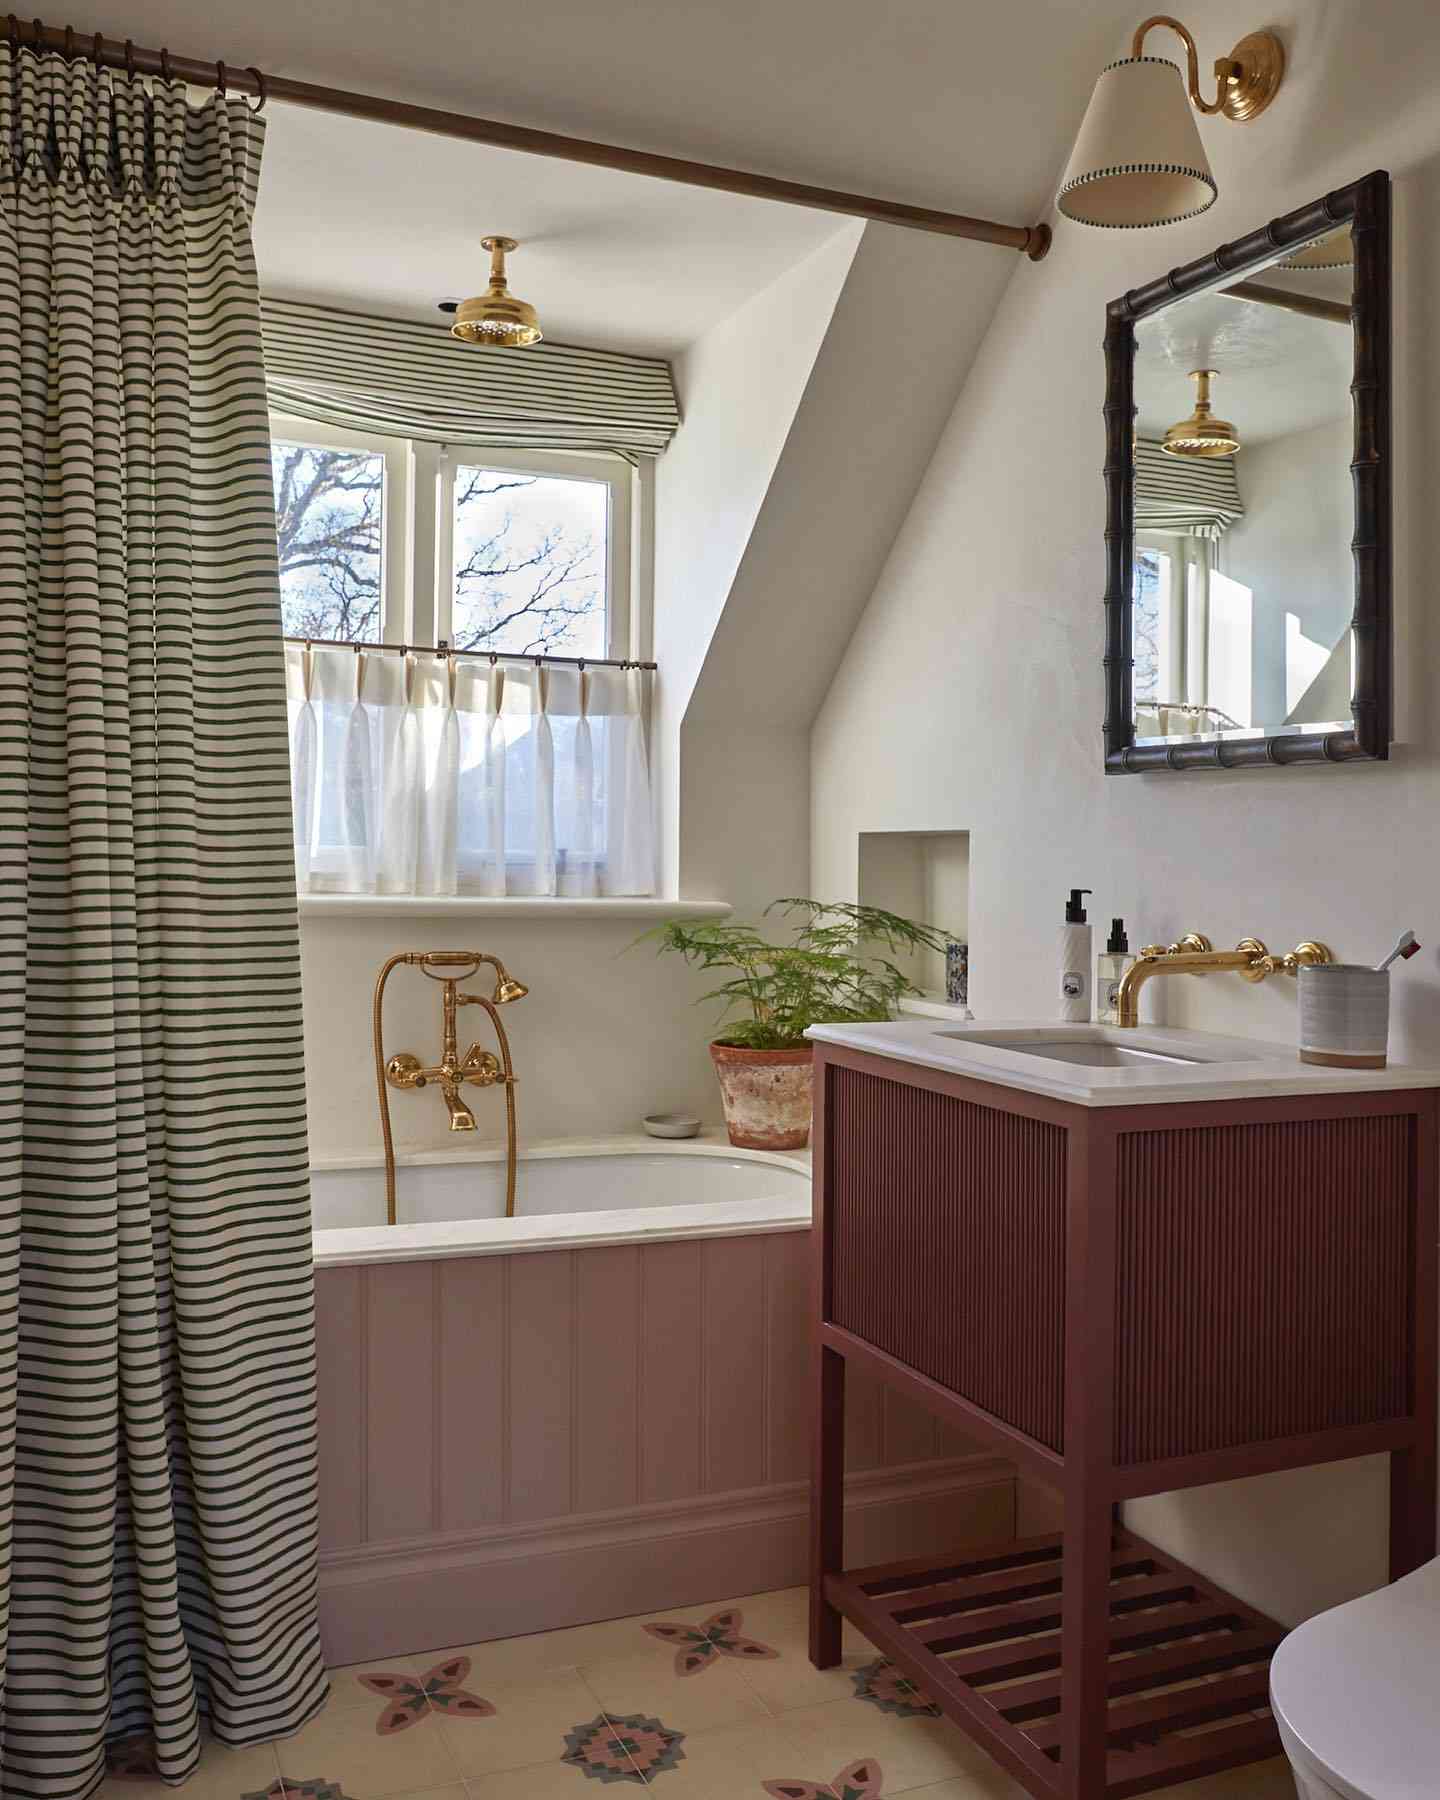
<point>461,1117</point>
<point>1195,955</point>
<point>480,1068</point>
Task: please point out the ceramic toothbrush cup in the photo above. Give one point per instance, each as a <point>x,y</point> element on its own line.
<point>1344,1015</point>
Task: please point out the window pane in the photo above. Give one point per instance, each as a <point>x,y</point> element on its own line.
<point>329,509</point>
<point>530,561</point>
<point>1149,621</point>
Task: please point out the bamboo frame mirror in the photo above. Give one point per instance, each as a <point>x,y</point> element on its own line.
<point>1209,666</point>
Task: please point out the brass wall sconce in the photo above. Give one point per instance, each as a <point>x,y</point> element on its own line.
<point>1138,160</point>
<point>478,1068</point>
<point>496,319</point>
<point>1202,434</point>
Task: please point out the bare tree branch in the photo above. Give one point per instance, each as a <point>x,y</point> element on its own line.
<point>519,591</point>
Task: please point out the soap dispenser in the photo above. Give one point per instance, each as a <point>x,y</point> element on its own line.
<point>1075,960</point>
<point>1110,967</point>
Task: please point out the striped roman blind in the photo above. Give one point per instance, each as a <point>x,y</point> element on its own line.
<point>1190,494</point>
<point>416,381</point>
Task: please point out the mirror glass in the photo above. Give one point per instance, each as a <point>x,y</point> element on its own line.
<point>1243,578</point>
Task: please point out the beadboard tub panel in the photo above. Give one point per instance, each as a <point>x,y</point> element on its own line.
<point>623,1421</point>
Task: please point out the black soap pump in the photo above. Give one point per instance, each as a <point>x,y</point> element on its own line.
<point>1110,967</point>
<point>1075,960</point>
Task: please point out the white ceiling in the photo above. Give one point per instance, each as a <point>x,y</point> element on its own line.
<point>948,103</point>
<point>607,259</point>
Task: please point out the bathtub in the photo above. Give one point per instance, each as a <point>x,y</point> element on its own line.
<point>597,1407</point>
<point>569,1194</point>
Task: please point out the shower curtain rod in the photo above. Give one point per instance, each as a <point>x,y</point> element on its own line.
<point>1034,240</point>
<point>447,650</point>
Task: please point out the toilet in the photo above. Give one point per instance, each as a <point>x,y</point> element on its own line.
<point>1356,1694</point>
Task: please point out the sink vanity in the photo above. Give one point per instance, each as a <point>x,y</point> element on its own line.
<point>1135,1261</point>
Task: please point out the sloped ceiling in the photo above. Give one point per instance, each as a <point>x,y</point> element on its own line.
<point>947,103</point>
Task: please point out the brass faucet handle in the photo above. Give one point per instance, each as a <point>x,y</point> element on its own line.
<point>482,1067</point>
<point>406,1071</point>
<point>1305,954</point>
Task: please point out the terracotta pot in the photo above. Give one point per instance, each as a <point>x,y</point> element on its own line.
<point>766,1095</point>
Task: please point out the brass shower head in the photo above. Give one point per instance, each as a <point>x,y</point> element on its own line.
<point>496,319</point>
<point>507,988</point>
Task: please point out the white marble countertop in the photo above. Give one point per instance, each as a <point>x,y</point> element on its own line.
<point>1217,1068</point>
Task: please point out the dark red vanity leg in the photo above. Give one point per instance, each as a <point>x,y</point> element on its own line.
<point>1089,1435</point>
<point>1413,1470</point>
<point>827,1506</point>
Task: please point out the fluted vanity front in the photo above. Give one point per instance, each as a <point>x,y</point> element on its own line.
<point>1138,1261</point>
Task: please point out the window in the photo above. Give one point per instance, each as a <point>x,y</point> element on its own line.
<point>338,499</point>
<point>1171,620</point>
<point>385,540</point>
<point>485,774</point>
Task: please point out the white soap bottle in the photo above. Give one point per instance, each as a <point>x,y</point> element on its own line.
<point>1075,960</point>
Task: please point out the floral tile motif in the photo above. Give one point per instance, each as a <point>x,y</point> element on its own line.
<point>311,1788</point>
<point>699,1646</point>
<point>856,1781</point>
<point>885,1686</point>
<point>131,1758</point>
<point>623,1749</point>
<point>412,1698</point>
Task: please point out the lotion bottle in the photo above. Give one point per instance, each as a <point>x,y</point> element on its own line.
<point>1110,967</point>
<point>1075,960</point>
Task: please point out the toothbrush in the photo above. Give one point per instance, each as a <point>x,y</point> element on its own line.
<point>1407,946</point>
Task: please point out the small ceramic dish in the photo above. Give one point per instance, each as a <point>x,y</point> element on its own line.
<point>672,1125</point>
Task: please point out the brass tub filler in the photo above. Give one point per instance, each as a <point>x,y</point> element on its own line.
<point>481,1068</point>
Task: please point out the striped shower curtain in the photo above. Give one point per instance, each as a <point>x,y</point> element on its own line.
<point>157,1402</point>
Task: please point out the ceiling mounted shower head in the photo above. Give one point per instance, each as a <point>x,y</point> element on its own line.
<point>496,319</point>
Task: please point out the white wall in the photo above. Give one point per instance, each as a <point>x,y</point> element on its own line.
<point>1292,548</point>
<point>739,388</point>
<point>971,697</point>
<point>903,333</point>
<point>606,1034</point>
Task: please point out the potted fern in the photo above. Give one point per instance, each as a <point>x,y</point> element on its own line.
<point>837,968</point>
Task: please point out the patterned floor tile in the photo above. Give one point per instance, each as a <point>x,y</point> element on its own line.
<point>792,1681</point>
<point>861,1780</point>
<point>645,1684</point>
<point>545,1652</point>
<point>344,1746</point>
<point>529,1724</point>
<point>346,1684</point>
<point>409,1700</point>
<point>222,1775</point>
<point>881,1684</point>
<point>700,1643</point>
<point>985,1782</point>
<point>736,1760</point>
<point>623,1748</point>
<point>914,1752</point>
<point>549,1781</point>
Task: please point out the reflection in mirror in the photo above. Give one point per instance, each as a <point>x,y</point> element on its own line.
<point>1243,578</point>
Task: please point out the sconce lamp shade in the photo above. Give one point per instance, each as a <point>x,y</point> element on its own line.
<point>1138,160</point>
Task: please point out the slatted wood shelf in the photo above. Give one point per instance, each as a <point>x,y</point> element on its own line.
<point>1187,1675</point>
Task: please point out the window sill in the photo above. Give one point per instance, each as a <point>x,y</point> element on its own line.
<point>517,906</point>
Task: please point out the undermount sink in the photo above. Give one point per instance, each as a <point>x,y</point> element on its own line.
<point>1093,1053</point>
<point>1109,1065</point>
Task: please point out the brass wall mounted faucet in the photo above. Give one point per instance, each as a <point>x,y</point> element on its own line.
<point>1196,955</point>
<point>481,1068</point>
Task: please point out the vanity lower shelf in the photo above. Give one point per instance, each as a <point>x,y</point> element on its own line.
<point>1187,1675</point>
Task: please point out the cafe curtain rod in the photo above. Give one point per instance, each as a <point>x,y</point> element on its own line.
<point>445,649</point>
<point>109,53</point>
